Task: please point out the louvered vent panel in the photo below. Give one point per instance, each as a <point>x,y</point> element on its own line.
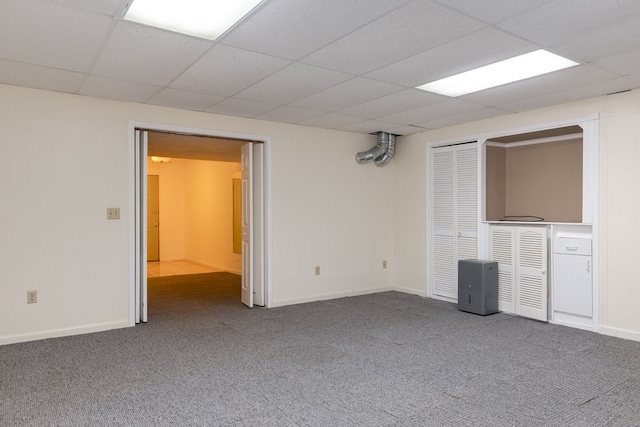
<point>467,189</point>
<point>501,246</point>
<point>467,248</point>
<point>505,289</point>
<point>530,292</point>
<point>531,250</point>
<point>443,268</point>
<point>443,190</point>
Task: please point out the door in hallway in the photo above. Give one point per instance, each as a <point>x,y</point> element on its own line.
<point>153,218</point>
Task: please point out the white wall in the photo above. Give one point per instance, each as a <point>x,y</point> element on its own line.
<point>173,206</point>
<point>209,221</point>
<point>619,200</point>
<point>66,158</point>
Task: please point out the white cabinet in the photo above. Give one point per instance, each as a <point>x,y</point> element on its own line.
<point>521,253</point>
<point>572,284</point>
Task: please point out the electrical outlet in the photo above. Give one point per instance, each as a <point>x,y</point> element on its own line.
<point>32,297</point>
<point>113,213</point>
<point>384,263</point>
<point>317,270</point>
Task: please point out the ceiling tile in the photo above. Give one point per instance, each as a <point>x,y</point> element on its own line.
<point>289,115</point>
<point>370,126</point>
<point>292,83</point>
<point>347,94</point>
<point>431,112</point>
<point>183,99</point>
<point>226,70</point>
<point>293,28</point>
<point>563,20</point>
<point>44,34</point>
<point>466,117</point>
<point>537,86</point>
<point>471,51</point>
<point>493,10</point>
<point>633,81</point>
<point>380,43</point>
<point>35,76</point>
<point>241,108</point>
<point>332,121</point>
<point>104,7</point>
<point>143,54</point>
<point>565,96</point>
<point>116,89</point>
<point>397,102</point>
<point>602,44</point>
<point>624,64</point>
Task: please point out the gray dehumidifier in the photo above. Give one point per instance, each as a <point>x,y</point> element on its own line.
<point>478,286</point>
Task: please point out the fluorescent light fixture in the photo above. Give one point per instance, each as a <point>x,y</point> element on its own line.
<point>202,18</point>
<point>510,70</point>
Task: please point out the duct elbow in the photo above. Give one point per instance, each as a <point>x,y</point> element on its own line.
<point>381,153</point>
<point>386,157</point>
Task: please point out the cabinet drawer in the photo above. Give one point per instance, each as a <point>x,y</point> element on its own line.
<point>567,245</point>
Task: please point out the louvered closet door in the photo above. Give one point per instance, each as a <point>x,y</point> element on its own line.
<point>466,171</point>
<point>502,250</point>
<point>444,273</point>
<point>531,277</point>
<point>455,214</point>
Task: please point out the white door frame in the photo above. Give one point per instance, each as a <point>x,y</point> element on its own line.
<point>137,164</point>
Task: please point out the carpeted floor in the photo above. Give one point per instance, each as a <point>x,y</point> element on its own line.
<point>387,359</point>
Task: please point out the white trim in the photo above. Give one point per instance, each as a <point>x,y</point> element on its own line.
<point>620,333</point>
<point>511,131</point>
<point>212,266</point>
<point>558,138</point>
<point>331,296</point>
<point>64,332</point>
<point>132,226</point>
<point>410,291</point>
<point>265,140</point>
<point>439,298</point>
<point>429,231</point>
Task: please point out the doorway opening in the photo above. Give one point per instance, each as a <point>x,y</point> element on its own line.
<point>195,150</point>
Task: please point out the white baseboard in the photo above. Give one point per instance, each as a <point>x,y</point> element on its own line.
<point>335,295</point>
<point>64,332</point>
<point>619,333</point>
<point>410,291</point>
<point>215,267</point>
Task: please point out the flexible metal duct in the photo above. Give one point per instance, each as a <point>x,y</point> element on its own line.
<point>373,153</point>
<point>381,153</point>
<point>384,159</point>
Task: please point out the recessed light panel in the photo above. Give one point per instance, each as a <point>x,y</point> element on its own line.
<point>202,18</point>
<point>510,70</point>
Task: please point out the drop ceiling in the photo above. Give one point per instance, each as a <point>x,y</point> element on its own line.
<point>349,65</point>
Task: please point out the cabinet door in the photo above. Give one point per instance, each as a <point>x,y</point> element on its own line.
<point>572,292</point>
<point>502,250</point>
<point>531,272</point>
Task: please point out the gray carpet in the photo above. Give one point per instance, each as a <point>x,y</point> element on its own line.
<point>387,359</point>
